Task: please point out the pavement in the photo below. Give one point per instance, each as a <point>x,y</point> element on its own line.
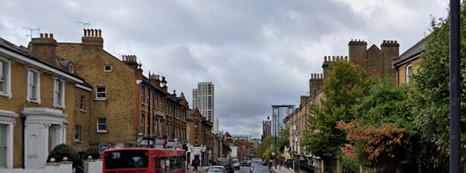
<point>282,169</point>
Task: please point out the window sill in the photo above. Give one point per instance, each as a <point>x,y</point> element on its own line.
<point>78,141</point>
<point>6,95</point>
<point>101,99</point>
<point>102,131</point>
<point>59,106</point>
<point>33,101</point>
<point>82,110</point>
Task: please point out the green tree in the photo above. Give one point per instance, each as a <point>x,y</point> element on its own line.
<point>431,95</point>
<point>283,139</point>
<point>382,134</point>
<point>267,147</point>
<point>268,144</point>
<point>343,87</point>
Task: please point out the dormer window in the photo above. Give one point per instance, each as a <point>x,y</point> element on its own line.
<point>107,68</point>
<point>70,67</point>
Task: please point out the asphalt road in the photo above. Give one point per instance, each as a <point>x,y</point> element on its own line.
<point>243,169</point>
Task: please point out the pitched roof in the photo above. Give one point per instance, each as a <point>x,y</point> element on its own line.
<point>26,56</point>
<point>412,53</point>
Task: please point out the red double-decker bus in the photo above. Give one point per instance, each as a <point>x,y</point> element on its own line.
<point>143,160</point>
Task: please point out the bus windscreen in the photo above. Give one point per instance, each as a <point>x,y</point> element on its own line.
<point>126,159</point>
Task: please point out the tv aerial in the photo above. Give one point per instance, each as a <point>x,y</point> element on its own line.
<point>31,31</point>
<point>85,24</point>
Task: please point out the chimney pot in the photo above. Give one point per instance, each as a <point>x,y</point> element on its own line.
<point>41,35</point>
<point>51,35</point>
<point>100,33</point>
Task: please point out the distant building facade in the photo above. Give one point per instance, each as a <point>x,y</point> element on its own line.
<point>279,112</point>
<point>254,148</point>
<point>204,100</point>
<point>163,115</point>
<point>200,137</point>
<point>243,148</point>
<point>266,128</point>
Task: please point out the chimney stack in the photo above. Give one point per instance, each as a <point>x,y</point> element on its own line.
<point>390,48</point>
<point>316,82</point>
<point>154,80</point>
<point>131,60</point>
<point>44,48</point>
<point>325,65</point>
<point>357,52</point>
<point>92,39</point>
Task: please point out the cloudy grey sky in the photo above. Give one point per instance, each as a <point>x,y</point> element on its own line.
<point>256,52</point>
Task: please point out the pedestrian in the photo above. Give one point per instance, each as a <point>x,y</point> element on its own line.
<point>279,162</point>
<point>195,164</point>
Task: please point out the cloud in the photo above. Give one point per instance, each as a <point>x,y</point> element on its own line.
<point>257,53</point>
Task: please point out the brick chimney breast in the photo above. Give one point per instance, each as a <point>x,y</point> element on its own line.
<point>44,48</point>
<point>92,39</point>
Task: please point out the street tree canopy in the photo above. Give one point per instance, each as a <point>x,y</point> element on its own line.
<point>431,95</point>
<point>343,87</point>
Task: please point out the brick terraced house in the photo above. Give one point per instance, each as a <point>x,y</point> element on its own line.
<point>42,103</point>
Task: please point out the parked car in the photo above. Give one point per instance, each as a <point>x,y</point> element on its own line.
<point>236,164</point>
<point>245,162</point>
<point>216,169</point>
<point>226,162</point>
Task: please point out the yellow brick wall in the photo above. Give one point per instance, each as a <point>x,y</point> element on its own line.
<point>402,70</point>
<point>18,102</point>
<point>80,117</point>
<point>120,84</point>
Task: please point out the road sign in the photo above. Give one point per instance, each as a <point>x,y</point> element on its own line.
<point>103,147</point>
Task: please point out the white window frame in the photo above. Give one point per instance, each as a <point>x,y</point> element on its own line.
<point>82,103</point>
<point>6,78</point>
<point>143,125</point>
<point>408,76</point>
<point>97,93</point>
<point>55,92</point>
<point>105,68</point>
<point>28,98</point>
<point>3,145</point>
<point>8,118</point>
<point>106,125</point>
<point>79,130</point>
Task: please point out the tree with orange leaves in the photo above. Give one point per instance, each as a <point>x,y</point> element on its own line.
<point>381,134</point>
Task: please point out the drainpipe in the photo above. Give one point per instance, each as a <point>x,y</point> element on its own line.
<point>23,134</point>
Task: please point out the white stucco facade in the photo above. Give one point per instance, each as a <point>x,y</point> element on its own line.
<point>234,151</point>
<point>45,128</point>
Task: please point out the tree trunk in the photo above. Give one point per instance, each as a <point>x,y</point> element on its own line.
<point>339,165</point>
